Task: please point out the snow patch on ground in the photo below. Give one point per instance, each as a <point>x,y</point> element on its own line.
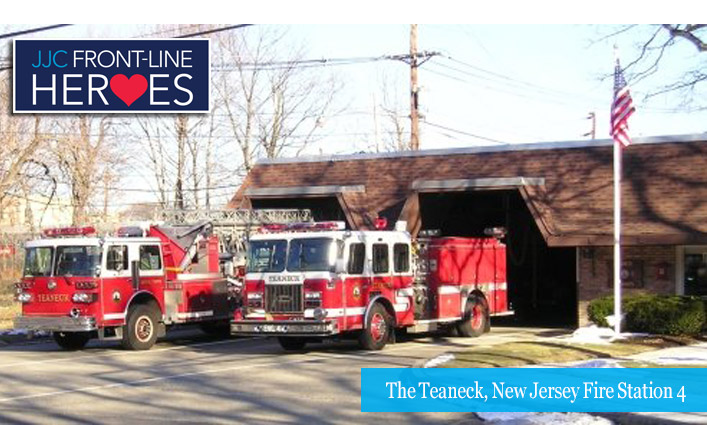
<point>591,335</point>
<point>694,354</point>
<point>596,335</point>
<point>679,360</point>
<point>532,418</point>
<point>436,361</point>
<point>598,363</point>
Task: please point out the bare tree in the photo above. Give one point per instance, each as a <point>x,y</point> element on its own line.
<point>271,102</point>
<point>18,145</point>
<point>654,50</point>
<point>157,157</point>
<point>84,156</point>
<point>395,128</point>
<point>177,151</point>
<point>24,171</point>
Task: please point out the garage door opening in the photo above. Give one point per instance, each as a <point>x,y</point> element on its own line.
<point>541,280</point>
<point>323,208</point>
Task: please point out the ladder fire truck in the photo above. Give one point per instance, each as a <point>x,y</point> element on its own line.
<point>305,282</point>
<point>134,285</point>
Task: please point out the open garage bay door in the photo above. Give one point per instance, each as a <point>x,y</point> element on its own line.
<point>542,280</point>
<point>325,202</point>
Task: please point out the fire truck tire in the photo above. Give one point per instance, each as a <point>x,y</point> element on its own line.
<point>475,320</point>
<point>71,340</point>
<point>140,333</point>
<point>291,343</point>
<point>379,326</point>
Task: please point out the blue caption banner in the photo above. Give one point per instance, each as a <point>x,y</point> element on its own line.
<point>534,390</point>
<point>122,76</point>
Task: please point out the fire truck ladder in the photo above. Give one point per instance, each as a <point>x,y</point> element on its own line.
<point>235,226</point>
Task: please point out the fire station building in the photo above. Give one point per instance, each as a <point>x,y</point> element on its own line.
<point>555,201</point>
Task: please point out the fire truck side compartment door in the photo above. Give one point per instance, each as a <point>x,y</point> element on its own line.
<point>172,299</point>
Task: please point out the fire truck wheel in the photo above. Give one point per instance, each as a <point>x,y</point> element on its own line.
<point>379,326</point>
<point>290,343</point>
<point>71,340</point>
<point>140,333</point>
<point>475,318</point>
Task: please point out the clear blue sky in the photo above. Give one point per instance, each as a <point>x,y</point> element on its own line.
<point>531,82</point>
<point>510,83</point>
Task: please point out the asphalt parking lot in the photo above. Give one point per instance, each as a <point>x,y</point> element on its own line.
<point>189,378</point>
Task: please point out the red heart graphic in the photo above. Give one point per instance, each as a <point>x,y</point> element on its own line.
<point>128,90</point>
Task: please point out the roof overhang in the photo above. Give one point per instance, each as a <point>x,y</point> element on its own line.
<point>302,191</point>
<point>451,185</point>
<point>504,147</point>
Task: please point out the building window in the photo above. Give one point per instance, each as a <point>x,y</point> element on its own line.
<point>380,258</point>
<point>695,271</point>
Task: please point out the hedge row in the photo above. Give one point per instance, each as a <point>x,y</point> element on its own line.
<point>656,314</point>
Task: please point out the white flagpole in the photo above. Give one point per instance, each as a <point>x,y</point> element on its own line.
<point>617,227</point>
<point>617,238</point>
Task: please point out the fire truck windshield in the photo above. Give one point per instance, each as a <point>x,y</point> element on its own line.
<point>312,254</point>
<point>77,260</point>
<point>266,256</point>
<point>38,261</point>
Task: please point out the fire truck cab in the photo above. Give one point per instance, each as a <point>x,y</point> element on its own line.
<point>130,286</point>
<point>306,282</point>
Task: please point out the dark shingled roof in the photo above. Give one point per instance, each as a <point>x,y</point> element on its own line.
<point>664,187</point>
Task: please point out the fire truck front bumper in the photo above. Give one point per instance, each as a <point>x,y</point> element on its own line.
<point>56,323</point>
<point>285,327</point>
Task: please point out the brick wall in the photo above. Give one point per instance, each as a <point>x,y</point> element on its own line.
<point>596,273</point>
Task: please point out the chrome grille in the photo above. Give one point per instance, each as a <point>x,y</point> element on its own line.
<point>284,298</point>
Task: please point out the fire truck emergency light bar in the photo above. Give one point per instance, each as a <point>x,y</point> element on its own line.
<point>69,231</point>
<point>304,227</point>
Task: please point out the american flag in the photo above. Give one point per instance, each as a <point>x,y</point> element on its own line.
<point>621,109</point>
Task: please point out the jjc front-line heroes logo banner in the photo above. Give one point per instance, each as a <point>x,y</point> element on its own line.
<point>111,76</point>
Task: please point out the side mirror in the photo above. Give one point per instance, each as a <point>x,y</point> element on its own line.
<point>340,266</point>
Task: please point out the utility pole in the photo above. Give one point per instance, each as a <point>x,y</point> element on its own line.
<point>375,122</point>
<point>414,113</point>
<point>592,116</point>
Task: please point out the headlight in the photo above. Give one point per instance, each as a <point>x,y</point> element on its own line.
<point>255,299</point>
<point>313,295</point>
<point>83,297</point>
<point>312,299</point>
<point>319,313</point>
<point>24,297</point>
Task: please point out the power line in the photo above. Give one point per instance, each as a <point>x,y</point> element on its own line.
<point>509,92</point>
<point>532,87</point>
<point>195,34</point>
<point>215,30</point>
<point>303,63</point>
<point>168,30</point>
<point>110,205</point>
<point>136,189</point>
<point>33,30</point>
<point>466,133</point>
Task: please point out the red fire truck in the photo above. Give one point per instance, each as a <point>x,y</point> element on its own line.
<point>131,286</point>
<point>310,281</point>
